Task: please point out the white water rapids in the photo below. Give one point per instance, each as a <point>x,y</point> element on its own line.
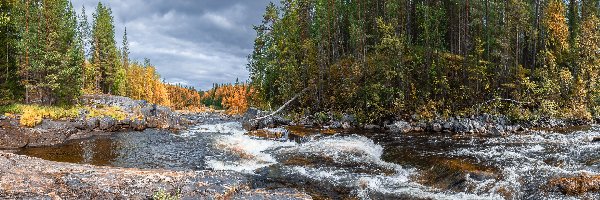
<point>355,162</point>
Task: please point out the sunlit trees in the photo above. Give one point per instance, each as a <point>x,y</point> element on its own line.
<point>184,98</point>
<point>234,98</point>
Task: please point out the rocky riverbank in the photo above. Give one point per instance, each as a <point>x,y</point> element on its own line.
<point>23,177</point>
<point>486,125</point>
<point>140,115</point>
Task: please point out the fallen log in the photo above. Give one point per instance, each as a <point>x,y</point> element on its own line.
<point>283,106</point>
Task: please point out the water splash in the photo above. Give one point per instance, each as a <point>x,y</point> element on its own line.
<point>237,151</point>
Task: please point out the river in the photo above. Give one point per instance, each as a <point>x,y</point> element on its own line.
<point>357,164</point>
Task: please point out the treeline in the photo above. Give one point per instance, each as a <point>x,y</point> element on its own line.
<point>381,59</point>
<point>234,98</point>
<point>51,56</point>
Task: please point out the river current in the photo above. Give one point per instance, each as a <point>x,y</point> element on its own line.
<point>357,164</point>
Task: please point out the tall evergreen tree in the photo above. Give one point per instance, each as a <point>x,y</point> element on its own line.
<point>105,60</point>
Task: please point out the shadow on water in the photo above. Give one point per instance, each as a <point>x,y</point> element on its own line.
<point>151,149</point>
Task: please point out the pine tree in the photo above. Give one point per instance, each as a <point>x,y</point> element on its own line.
<point>125,50</point>
<point>105,55</point>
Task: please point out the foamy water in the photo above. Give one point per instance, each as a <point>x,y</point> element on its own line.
<point>525,162</point>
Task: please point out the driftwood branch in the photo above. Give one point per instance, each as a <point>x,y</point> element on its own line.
<point>501,99</point>
<point>284,105</point>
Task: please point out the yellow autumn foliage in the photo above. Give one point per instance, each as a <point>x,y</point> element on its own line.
<point>32,115</point>
<point>234,97</point>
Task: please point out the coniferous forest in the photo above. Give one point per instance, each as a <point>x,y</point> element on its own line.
<point>52,55</point>
<point>397,58</point>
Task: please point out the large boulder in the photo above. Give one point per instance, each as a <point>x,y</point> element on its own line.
<point>11,138</point>
<point>50,133</point>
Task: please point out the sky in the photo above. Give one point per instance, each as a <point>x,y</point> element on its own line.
<point>191,42</point>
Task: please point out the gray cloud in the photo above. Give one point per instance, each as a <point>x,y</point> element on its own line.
<point>192,42</point>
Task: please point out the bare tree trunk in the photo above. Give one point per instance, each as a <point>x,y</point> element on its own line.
<point>284,105</point>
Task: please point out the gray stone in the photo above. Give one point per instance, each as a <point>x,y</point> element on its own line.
<point>351,119</point>
<point>399,127</point>
<point>92,123</point>
<point>335,125</point>
<point>107,124</point>
<point>447,126</point>
<point>138,124</point>
<point>346,125</point>
<point>436,127</point>
<point>371,126</point>
<point>495,132</point>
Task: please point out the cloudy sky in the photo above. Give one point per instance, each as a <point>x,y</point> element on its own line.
<point>192,42</point>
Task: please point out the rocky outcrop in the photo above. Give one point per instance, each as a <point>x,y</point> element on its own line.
<point>140,115</point>
<point>23,177</point>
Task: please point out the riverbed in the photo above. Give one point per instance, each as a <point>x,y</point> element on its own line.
<point>337,164</point>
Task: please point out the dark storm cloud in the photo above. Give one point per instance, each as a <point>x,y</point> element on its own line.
<point>193,42</point>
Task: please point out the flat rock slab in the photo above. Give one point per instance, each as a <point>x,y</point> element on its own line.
<point>23,177</point>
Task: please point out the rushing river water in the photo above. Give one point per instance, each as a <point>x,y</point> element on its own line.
<point>370,165</point>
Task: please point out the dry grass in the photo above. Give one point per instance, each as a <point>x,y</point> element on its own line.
<point>32,115</point>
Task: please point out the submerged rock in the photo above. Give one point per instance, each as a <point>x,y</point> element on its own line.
<point>576,185</point>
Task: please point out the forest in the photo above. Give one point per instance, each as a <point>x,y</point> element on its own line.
<point>381,59</point>
<point>51,55</point>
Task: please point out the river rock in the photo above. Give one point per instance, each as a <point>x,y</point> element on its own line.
<point>371,127</point>
<point>399,127</point>
<point>436,127</point>
<point>447,126</point>
<point>92,123</point>
<point>494,132</point>
<point>350,119</point>
<point>596,139</point>
<point>335,125</point>
<point>107,124</point>
<point>138,124</point>
<point>346,125</point>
